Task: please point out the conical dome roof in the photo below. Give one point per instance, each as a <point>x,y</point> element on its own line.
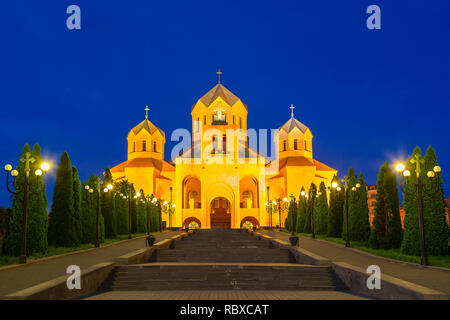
<point>219,90</point>
<point>293,123</point>
<point>146,125</point>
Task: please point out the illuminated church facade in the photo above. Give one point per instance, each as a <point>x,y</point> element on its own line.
<point>221,181</point>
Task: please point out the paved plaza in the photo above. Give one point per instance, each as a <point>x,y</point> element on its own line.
<point>26,276</point>
<point>433,278</point>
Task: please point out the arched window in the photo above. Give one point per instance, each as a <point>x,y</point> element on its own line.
<point>224,143</point>
<point>307,145</point>
<point>144,145</point>
<point>284,145</point>
<point>154,146</point>
<point>214,145</point>
<point>295,144</point>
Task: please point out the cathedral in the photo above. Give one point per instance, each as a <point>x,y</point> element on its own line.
<point>221,181</point>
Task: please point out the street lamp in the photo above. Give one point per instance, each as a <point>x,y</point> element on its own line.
<point>169,208</point>
<point>418,161</point>
<point>311,203</point>
<point>151,200</point>
<point>10,185</point>
<point>282,205</point>
<point>97,193</point>
<point>293,239</point>
<point>346,192</point>
<point>269,207</point>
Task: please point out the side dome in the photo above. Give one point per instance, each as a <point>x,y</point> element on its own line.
<point>146,125</point>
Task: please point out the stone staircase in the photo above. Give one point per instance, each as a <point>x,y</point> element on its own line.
<point>223,245</point>
<point>222,260</point>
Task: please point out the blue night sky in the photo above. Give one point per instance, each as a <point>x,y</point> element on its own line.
<point>367,95</point>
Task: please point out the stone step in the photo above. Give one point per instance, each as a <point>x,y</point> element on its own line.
<point>212,277</point>
<point>222,260</point>
<point>251,286</point>
<point>199,280</point>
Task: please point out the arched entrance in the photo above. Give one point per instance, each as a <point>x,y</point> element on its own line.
<point>192,223</point>
<point>249,223</point>
<point>220,213</point>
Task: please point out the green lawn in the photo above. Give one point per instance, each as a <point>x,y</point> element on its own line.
<point>6,260</point>
<point>438,261</point>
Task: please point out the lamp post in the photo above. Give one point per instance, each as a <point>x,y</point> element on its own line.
<point>334,185</point>
<point>269,207</point>
<point>158,203</point>
<point>282,205</point>
<point>293,239</point>
<point>10,185</point>
<point>97,194</point>
<point>169,208</point>
<point>311,203</point>
<point>418,161</point>
<point>313,236</point>
<point>151,200</point>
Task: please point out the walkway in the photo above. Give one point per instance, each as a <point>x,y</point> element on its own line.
<point>223,264</point>
<point>427,277</point>
<point>32,274</point>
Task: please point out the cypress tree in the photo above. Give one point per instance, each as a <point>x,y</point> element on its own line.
<point>154,217</point>
<point>158,215</point>
<point>301,213</point>
<point>12,240</point>
<point>436,230</point>
<point>87,213</point>
<point>411,236</point>
<point>292,213</point>
<point>386,232</point>
<point>141,213</point>
<point>287,225</point>
<point>107,201</point>
<point>352,203</point>
<point>61,221</point>
<point>77,223</point>
<point>321,210</point>
<point>395,233</point>
<point>122,208</point>
<point>378,235</point>
<point>133,211</point>
<point>37,210</point>
<point>90,214</point>
<point>360,227</point>
<point>335,215</point>
<point>312,192</point>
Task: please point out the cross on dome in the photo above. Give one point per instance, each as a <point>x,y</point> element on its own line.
<point>146,112</point>
<point>218,74</point>
<point>292,110</point>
